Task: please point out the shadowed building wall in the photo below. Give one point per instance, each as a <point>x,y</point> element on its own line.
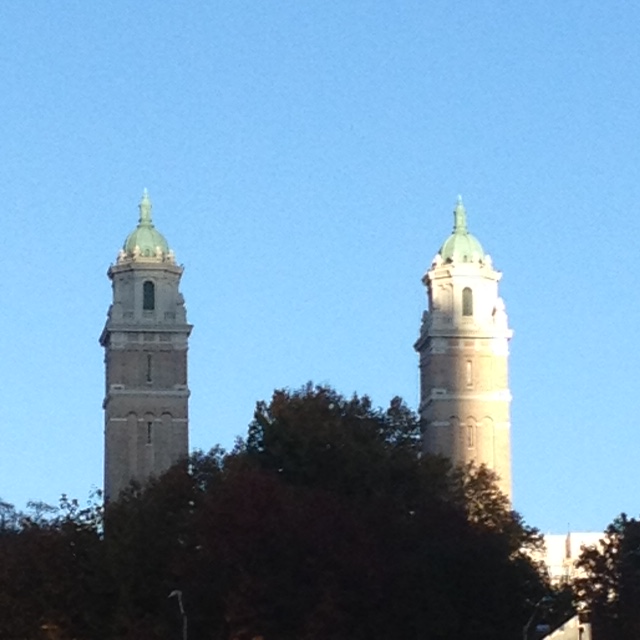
<point>145,341</point>
<point>464,350</point>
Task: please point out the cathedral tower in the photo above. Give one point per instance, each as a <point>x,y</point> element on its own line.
<point>464,350</point>
<point>145,341</point>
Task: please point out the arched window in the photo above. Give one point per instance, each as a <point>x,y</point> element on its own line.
<point>148,296</point>
<point>467,302</point>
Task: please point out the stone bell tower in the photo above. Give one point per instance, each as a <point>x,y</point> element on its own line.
<point>145,341</point>
<point>464,351</point>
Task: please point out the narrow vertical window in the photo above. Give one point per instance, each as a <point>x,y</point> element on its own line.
<point>149,425</point>
<point>148,367</point>
<point>148,296</point>
<point>470,436</point>
<point>469,374</point>
<point>467,302</point>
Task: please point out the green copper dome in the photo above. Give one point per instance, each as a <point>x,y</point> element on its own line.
<point>145,241</point>
<point>461,246</point>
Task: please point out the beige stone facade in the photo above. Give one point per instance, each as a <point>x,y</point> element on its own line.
<point>464,352</point>
<point>145,340</point>
<point>562,551</point>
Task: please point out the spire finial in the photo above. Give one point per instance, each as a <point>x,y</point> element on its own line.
<point>145,209</point>
<point>459,217</point>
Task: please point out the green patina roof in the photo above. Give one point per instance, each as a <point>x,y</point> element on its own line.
<point>145,241</point>
<point>461,246</point>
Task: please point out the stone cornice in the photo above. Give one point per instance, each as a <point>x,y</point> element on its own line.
<point>142,393</point>
<point>448,274</point>
<point>148,328</point>
<point>497,395</point>
<point>109,329</point>
<point>144,265</point>
<point>479,333</point>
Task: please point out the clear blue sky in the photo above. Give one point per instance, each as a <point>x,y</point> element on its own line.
<point>303,159</point>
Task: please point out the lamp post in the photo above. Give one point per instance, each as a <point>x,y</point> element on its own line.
<point>178,594</point>
<point>543,601</point>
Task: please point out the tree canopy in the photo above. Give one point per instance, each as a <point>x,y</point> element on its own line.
<point>325,522</point>
<point>609,589</point>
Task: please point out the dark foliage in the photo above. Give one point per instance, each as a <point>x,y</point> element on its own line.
<point>325,524</point>
<point>610,589</point>
<point>52,573</point>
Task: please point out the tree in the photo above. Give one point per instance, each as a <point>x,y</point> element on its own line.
<point>453,556</point>
<point>9,517</point>
<point>326,523</point>
<point>148,535</point>
<point>610,588</point>
<point>51,573</point>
